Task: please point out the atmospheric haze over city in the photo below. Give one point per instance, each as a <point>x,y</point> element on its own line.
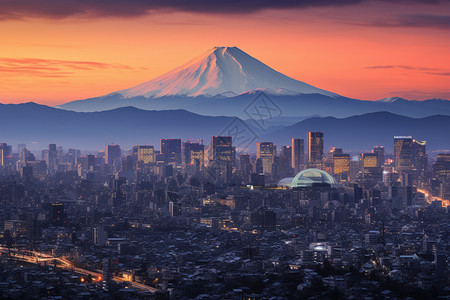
<point>224,149</point>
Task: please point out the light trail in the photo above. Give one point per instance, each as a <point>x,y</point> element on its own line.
<point>35,257</point>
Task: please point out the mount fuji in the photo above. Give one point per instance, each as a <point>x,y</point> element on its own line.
<point>224,81</point>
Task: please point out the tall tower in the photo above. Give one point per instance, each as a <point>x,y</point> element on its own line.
<point>145,154</point>
<point>403,153</point>
<point>222,158</point>
<point>379,151</point>
<point>419,156</point>
<point>171,151</point>
<point>112,157</point>
<point>266,151</point>
<point>298,154</point>
<point>315,149</point>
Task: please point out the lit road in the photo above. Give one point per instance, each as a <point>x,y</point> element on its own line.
<point>430,199</point>
<point>62,263</point>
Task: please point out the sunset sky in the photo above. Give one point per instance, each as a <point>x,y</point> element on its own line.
<point>55,51</point>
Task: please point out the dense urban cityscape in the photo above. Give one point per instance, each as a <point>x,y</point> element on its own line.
<point>197,220</point>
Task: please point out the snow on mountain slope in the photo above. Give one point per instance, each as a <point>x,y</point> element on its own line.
<point>220,71</point>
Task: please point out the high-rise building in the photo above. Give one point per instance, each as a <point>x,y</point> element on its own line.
<point>419,156</point>
<point>341,166</point>
<point>51,158</point>
<point>286,161</point>
<point>171,151</point>
<point>145,154</point>
<point>403,153</point>
<point>245,166</point>
<point>298,154</point>
<point>379,151</point>
<point>369,160</point>
<point>266,151</point>
<point>112,155</point>
<point>222,149</point>
<point>221,158</point>
<point>193,154</point>
<point>315,150</point>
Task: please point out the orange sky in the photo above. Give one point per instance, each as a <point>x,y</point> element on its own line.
<point>357,51</point>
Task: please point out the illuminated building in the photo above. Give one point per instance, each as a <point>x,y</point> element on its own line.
<point>145,154</point>
<point>112,155</point>
<point>379,151</point>
<point>266,151</point>
<point>403,153</point>
<point>369,160</point>
<point>222,158</point>
<point>341,166</point>
<point>298,154</point>
<point>222,148</point>
<point>245,166</point>
<point>315,150</point>
<point>171,151</point>
<point>193,154</point>
<point>419,156</point>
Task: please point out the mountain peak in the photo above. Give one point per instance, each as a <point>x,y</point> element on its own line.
<point>219,71</point>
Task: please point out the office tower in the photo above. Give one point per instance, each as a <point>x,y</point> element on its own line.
<point>369,160</point>
<point>441,170</point>
<point>379,151</point>
<point>266,151</point>
<point>2,157</point>
<point>107,273</point>
<point>298,155</point>
<point>171,151</point>
<point>222,149</point>
<point>221,159</point>
<point>193,154</point>
<point>112,156</point>
<point>341,166</point>
<point>419,156</point>
<point>145,154</point>
<point>286,161</point>
<point>403,153</point>
<point>245,166</point>
<point>315,150</point>
<point>51,158</point>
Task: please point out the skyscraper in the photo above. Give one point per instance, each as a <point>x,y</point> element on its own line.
<point>51,158</point>
<point>112,156</point>
<point>222,158</point>
<point>145,154</point>
<point>222,149</point>
<point>419,156</point>
<point>403,153</point>
<point>286,161</point>
<point>171,151</point>
<point>266,151</point>
<point>298,154</point>
<point>341,166</point>
<point>379,151</point>
<point>369,160</point>
<point>193,153</point>
<point>315,150</point>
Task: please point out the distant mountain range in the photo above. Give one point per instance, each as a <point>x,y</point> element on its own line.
<point>30,122</point>
<point>225,81</point>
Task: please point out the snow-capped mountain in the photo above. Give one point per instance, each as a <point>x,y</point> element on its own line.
<point>225,81</point>
<point>220,71</point>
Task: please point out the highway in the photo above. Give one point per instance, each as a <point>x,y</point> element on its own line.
<point>62,263</point>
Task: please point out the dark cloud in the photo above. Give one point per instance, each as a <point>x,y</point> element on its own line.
<point>414,21</point>
<point>59,9</point>
<point>50,67</point>
<point>402,67</point>
<point>439,73</point>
